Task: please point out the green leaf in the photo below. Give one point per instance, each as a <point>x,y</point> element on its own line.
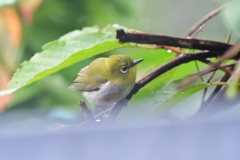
<point>67,50</point>
<point>170,97</point>
<point>156,101</point>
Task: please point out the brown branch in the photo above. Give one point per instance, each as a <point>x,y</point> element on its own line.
<point>216,90</point>
<point>177,50</point>
<point>146,38</point>
<point>86,112</point>
<point>228,37</point>
<point>208,81</point>
<point>205,89</point>
<point>204,19</point>
<point>216,49</point>
<point>232,52</point>
<point>193,77</point>
<point>217,66</point>
<point>198,28</point>
<point>198,69</point>
<point>197,31</point>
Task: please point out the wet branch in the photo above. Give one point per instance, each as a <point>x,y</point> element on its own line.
<point>204,19</point>
<point>210,49</point>
<point>146,38</point>
<point>86,112</point>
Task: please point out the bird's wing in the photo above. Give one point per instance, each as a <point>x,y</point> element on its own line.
<point>83,83</point>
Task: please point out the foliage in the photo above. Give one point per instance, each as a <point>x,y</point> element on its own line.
<point>81,44</point>
<point>64,57</point>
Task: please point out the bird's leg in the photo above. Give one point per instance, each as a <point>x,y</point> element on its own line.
<point>101,114</point>
<point>109,114</point>
<point>104,112</point>
<point>115,110</point>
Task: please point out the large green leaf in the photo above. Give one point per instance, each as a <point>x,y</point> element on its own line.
<point>67,50</point>
<point>152,102</point>
<point>169,97</point>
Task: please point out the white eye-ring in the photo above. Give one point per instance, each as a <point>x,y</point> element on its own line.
<point>124,69</point>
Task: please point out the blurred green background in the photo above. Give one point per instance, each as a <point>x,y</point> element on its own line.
<point>42,21</point>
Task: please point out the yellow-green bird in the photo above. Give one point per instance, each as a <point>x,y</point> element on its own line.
<point>106,81</point>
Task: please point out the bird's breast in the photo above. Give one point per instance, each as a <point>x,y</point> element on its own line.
<point>108,94</point>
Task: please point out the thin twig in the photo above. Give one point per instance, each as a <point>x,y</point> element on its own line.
<point>216,65</point>
<point>199,25</point>
<point>196,63</point>
<point>230,53</point>
<point>229,37</point>
<point>216,90</point>
<point>193,77</point>
<point>205,89</point>
<point>198,30</point>
<point>177,50</point>
<point>204,19</point>
<point>226,76</point>
<point>198,69</point>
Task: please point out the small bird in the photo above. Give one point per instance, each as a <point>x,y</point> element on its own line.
<point>105,81</point>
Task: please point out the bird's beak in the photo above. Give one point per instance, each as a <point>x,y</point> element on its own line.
<point>135,62</point>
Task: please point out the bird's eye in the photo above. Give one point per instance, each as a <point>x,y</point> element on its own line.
<point>124,69</point>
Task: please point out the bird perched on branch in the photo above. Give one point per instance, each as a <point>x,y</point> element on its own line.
<point>106,81</point>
